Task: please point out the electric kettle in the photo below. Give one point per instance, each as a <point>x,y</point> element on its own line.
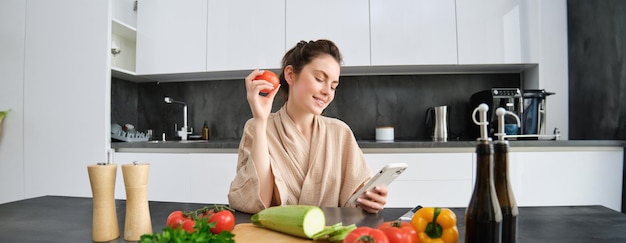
<point>437,119</point>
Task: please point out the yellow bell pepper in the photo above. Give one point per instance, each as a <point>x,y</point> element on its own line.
<point>436,225</point>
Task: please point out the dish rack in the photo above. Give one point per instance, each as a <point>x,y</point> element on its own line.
<point>130,136</point>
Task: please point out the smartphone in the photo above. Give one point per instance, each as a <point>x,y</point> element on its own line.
<point>409,214</point>
<point>383,178</point>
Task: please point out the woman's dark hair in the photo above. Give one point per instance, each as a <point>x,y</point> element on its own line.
<point>301,55</point>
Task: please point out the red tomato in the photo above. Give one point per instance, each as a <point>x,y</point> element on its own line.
<point>223,218</point>
<point>188,225</point>
<point>366,234</point>
<point>175,219</point>
<point>399,232</point>
<point>271,77</point>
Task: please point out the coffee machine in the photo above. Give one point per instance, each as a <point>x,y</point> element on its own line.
<point>507,98</point>
<point>529,105</point>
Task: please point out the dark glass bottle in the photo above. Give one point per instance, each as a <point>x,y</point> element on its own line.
<point>506,198</point>
<point>483,218</point>
<point>205,131</point>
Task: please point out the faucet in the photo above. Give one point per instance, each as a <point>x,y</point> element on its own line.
<point>182,133</point>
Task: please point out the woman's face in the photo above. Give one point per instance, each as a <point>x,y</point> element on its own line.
<point>314,87</point>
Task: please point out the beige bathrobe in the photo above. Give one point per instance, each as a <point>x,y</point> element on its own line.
<point>324,173</point>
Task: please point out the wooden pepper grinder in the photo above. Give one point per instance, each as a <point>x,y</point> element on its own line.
<point>138,220</point>
<point>104,225</point>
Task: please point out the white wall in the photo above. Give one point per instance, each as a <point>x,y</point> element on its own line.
<point>553,73</point>
<point>546,37</point>
<point>66,94</point>
<point>12,32</point>
<point>58,86</point>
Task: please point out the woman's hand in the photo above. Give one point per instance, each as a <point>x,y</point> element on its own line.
<point>261,106</point>
<point>374,200</point>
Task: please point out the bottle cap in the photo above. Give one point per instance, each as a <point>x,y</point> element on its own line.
<point>500,113</point>
<point>482,121</point>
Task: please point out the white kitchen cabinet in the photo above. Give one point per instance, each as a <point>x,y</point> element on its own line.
<point>432,179</point>
<point>582,177</point>
<point>182,177</point>
<point>123,48</point>
<point>124,41</point>
<point>413,32</point>
<point>490,32</point>
<point>245,34</point>
<point>124,11</point>
<point>169,177</point>
<point>539,177</point>
<point>344,22</point>
<point>211,176</point>
<point>171,36</point>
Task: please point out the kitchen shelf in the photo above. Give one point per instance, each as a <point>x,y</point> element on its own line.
<point>124,40</point>
<point>128,75</point>
<point>124,30</point>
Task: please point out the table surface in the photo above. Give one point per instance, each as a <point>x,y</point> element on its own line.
<point>69,219</point>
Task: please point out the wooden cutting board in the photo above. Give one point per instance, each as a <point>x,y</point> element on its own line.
<point>247,232</point>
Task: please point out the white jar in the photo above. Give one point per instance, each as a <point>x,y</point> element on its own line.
<point>384,133</point>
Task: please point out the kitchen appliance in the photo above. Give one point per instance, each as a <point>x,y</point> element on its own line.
<point>508,98</point>
<point>437,120</point>
<point>534,116</point>
<point>529,105</point>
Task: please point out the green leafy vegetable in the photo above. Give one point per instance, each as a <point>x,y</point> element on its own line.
<point>201,235</point>
<point>336,232</point>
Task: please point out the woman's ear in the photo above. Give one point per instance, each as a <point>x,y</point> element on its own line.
<point>289,74</point>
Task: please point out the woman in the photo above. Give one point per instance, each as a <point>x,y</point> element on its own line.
<point>296,155</point>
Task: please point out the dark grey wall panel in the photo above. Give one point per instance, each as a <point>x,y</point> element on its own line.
<point>363,102</point>
<point>597,69</point>
<point>123,102</point>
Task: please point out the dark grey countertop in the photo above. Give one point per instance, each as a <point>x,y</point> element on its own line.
<point>368,144</point>
<point>69,219</point>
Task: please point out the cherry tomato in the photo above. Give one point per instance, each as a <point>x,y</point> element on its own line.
<point>366,234</point>
<point>188,225</point>
<point>223,218</point>
<point>175,219</point>
<point>399,232</point>
<point>271,77</point>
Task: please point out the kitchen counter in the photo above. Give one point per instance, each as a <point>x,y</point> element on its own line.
<point>368,146</point>
<point>68,219</point>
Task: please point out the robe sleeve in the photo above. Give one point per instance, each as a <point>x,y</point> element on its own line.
<point>356,171</point>
<point>244,189</point>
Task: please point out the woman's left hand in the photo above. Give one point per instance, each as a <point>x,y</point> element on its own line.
<point>373,200</point>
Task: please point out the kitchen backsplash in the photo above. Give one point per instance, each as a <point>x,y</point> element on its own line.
<point>363,102</point>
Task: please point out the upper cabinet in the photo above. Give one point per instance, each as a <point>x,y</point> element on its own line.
<point>171,36</point>
<point>344,22</point>
<point>125,11</point>
<point>413,32</point>
<point>219,39</point>
<point>490,32</point>
<point>123,47</point>
<point>123,38</point>
<point>245,34</point>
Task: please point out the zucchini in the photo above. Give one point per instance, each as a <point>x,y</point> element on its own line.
<point>297,220</point>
